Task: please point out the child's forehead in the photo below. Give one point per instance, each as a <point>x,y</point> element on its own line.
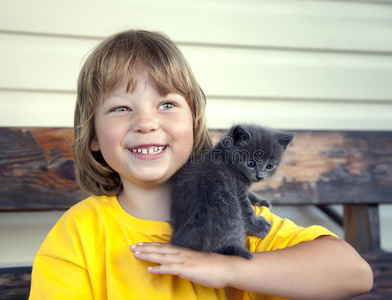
<point>123,85</point>
<point>124,77</point>
<point>141,81</point>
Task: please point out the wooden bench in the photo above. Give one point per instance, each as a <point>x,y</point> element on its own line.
<point>321,168</point>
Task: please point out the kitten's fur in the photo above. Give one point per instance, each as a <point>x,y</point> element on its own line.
<point>211,205</point>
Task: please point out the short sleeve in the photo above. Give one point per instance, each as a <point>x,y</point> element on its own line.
<point>59,269</point>
<point>59,279</point>
<point>284,233</point>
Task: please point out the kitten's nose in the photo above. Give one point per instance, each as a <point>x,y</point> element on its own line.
<point>260,176</point>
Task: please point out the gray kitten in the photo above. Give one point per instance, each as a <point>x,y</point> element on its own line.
<point>211,203</point>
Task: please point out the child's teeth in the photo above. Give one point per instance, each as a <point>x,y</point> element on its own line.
<point>150,151</point>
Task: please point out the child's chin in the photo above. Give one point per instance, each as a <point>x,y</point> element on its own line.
<point>158,177</point>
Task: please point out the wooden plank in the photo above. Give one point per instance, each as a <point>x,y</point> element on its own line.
<point>36,168</point>
<point>322,167</point>
<point>15,283</point>
<point>362,227</point>
<point>381,264</point>
<point>319,168</point>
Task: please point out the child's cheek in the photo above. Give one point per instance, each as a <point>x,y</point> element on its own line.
<point>185,135</point>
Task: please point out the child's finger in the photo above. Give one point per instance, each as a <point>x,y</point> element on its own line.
<point>154,247</point>
<point>159,257</point>
<point>173,269</point>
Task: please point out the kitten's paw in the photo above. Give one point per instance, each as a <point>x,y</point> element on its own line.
<point>257,201</point>
<point>235,250</point>
<point>263,203</point>
<point>261,227</point>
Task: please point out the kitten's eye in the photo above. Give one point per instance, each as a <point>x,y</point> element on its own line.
<point>270,166</point>
<point>250,163</point>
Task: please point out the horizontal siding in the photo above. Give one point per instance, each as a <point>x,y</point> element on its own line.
<point>286,64</point>
<point>291,74</point>
<point>53,64</point>
<point>36,109</point>
<point>301,115</point>
<point>41,63</point>
<point>334,25</point>
<point>279,88</point>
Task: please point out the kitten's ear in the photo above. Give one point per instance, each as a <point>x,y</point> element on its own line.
<point>240,134</point>
<point>284,139</point>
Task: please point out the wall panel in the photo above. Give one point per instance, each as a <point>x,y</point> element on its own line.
<point>53,63</point>
<point>286,114</point>
<point>37,109</point>
<point>334,25</point>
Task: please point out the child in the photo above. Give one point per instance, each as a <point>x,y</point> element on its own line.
<point>139,116</point>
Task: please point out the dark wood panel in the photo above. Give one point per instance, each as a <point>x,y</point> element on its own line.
<point>36,173</point>
<point>362,227</point>
<point>36,167</point>
<point>15,283</point>
<point>320,167</point>
<point>381,264</point>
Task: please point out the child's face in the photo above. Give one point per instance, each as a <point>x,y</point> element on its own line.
<point>143,136</point>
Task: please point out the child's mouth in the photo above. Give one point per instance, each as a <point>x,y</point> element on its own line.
<point>151,150</point>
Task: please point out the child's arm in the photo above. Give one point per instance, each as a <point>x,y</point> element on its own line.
<point>324,268</point>
<point>56,278</point>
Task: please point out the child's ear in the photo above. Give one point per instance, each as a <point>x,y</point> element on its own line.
<point>94,146</point>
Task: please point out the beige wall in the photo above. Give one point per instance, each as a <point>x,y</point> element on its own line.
<point>286,64</point>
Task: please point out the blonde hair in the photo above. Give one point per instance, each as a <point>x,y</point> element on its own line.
<point>117,58</point>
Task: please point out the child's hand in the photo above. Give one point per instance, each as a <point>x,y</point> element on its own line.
<point>208,269</point>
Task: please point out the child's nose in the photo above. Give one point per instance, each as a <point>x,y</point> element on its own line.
<point>144,122</point>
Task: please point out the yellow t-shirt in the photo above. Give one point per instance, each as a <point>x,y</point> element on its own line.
<point>86,256</point>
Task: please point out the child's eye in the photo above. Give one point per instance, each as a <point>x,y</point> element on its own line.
<point>121,109</point>
<point>166,105</point>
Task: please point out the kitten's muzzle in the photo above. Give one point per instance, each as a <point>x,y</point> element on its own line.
<point>261,176</point>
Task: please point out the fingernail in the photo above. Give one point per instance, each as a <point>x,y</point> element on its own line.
<point>133,246</point>
<point>140,243</point>
<point>137,252</point>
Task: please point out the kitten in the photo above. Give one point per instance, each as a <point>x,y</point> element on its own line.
<point>211,203</point>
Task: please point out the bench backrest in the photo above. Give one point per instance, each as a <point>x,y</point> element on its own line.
<point>319,168</point>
